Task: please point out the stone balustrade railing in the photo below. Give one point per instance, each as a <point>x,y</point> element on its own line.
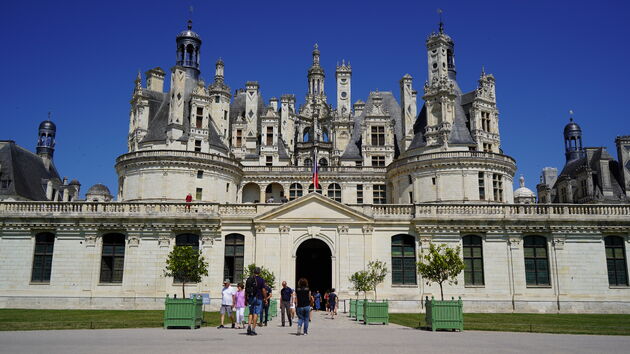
<point>402,211</point>
<point>143,154</point>
<point>309,169</point>
<point>455,155</point>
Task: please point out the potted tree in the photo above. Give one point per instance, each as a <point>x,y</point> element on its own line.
<point>188,266</point>
<point>374,311</point>
<point>442,264</point>
<point>359,282</point>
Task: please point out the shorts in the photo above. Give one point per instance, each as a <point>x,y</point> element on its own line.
<point>226,309</point>
<point>255,305</point>
<point>332,305</point>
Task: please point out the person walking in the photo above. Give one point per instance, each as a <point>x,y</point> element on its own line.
<point>286,294</point>
<point>326,301</point>
<point>293,302</point>
<point>304,303</point>
<point>332,300</point>
<point>318,300</point>
<point>239,298</point>
<point>265,309</point>
<point>255,291</point>
<point>227,302</point>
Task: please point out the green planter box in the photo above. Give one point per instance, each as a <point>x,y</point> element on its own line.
<point>273,308</point>
<point>183,312</point>
<point>447,314</point>
<point>360,310</point>
<point>246,313</point>
<point>376,312</point>
<point>353,308</point>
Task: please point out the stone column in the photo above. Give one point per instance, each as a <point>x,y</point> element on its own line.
<point>212,248</point>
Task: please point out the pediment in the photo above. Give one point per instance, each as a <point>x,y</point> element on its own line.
<point>313,207</point>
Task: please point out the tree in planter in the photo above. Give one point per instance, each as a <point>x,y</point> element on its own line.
<point>440,264</point>
<point>377,271</point>
<point>359,282</point>
<point>266,274</point>
<point>187,265</point>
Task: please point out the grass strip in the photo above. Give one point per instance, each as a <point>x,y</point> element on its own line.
<point>603,324</point>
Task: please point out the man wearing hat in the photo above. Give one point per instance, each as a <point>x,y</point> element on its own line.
<point>227,302</point>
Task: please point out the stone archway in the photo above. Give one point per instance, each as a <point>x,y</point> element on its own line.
<point>313,261</point>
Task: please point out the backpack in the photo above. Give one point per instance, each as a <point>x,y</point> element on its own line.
<point>250,287</point>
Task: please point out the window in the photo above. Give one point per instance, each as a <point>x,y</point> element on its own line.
<point>536,262</point>
<point>403,260</point>
<point>379,194</point>
<point>269,136</point>
<point>224,115</point>
<point>497,187</point>
<point>583,188</point>
<point>359,194</point>
<point>239,137</point>
<point>481,180</point>
<point>325,135</point>
<point>323,162</point>
<point>233,259</point>
<point>616,261</point>
<point>378,136</point>
<point>191,240</point>
<point>295,191</point>
<point>563,195</point>
<point>113,258</point>
<point>198,193</point>
<point>197,145</point>
<point>485,121</point>
<point>411,197</point>
<point>227,187</point>
<point>358,163</point>
<point>378,161</point>
<point>308,162</point>
<point>306,135</point>
<point>200,174</point>
<point>42,260</point>
<point>319,188</point>
<point>334,192</point>
<point>487,147</point>
<point>199,120</point>
<point>269,161</point>
<point>217,99</point>
<point>433,180</point>
<point>473,260</point>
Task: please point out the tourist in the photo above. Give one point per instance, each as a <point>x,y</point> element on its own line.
<point>286,294</point>
<point>332,300</point>
<point>326,301</point>
<point>265,308</point>
<point>188,201</point>
<point>304,303</point>
<point>227,302</point>
<point>271,200</point>
<point>318,300</point>
<point>239,298</point>
<point>293,302</point>
<point>256,291</point>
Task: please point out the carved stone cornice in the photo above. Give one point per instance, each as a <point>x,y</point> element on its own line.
<point>284,229</point>
<point>260,228</point>
<point>368,229</point>
<point>342,229</point>
<point>515,241</point>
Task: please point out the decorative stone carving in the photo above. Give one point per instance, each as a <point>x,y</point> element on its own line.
<point>90,240</point>
<point>207,241</point>
<point>558,242</point>
<point>164,240</point>
<point>260,228</point>
<point>425,241</point>
<point>133,240</point>
<point>515,242</point>
<point>368,229</point>
<point>342,229</point>
<point>284,229</point>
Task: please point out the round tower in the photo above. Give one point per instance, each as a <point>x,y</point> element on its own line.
<point>573,141</point>
<point>46,141</point>
<point>188,48</point>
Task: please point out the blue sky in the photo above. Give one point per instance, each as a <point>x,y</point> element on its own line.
<point>79,59</point>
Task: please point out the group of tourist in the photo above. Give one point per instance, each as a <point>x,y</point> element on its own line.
<point>256,294</point>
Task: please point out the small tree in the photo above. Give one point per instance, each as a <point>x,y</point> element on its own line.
<point>186,265</point>
<point>359,282</point>
<point>266,274</point>
<point>440,264</point>
<point>377,271</point>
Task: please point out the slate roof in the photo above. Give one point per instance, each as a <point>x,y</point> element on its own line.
<point>26,171</point>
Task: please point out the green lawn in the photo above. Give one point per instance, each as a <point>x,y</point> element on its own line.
<point>23,320</point>
<point>525,322</point>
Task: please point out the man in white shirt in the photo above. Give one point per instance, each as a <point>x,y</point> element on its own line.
<point>227,302</point>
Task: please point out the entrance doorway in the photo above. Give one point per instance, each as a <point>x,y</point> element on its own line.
<point>313,262</point>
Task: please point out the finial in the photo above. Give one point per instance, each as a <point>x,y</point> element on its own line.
<point>190,13</point>
<point>49,113</point>
<point>483,71</point>
<point>439,11</point>
<point>343,62</point>
<point>315,47</point>
<point>522,181</point>
<point>570,115</point>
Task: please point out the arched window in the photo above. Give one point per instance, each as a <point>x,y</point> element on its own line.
<point>113,258</point>
<point>536,260</point>
<point>473,260</point>
<point>295,191</point>
<point>334,192</point>
<point>233,259</point>
<point>42,259</point>
<point>319,188</point>
<point>306,134</point>
<point>403,259</point>
<point>191,240</point>
<point>323,162</point>
<point>616,261</point>
<point>325,137</point>
<point>308,162</point>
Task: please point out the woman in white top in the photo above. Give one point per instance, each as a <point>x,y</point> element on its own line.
<point>293,302</point>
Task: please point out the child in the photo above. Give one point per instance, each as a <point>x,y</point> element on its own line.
<point>240,305</point>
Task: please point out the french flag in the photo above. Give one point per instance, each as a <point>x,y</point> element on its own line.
<point>315,173</point>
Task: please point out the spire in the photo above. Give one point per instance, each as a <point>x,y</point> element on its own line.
<point>315,55</point>
<point>439,11</point>
<point>521,181</point>
<point>483,71</point>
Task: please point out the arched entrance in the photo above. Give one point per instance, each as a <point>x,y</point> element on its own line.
<point>313,262</point>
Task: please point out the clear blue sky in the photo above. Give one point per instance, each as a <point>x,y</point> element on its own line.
<point>79,60</point>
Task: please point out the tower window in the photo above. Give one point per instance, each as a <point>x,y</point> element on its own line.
<point>269,161</point>
<point>200,174</point>
<point>269,135</point>
<point>198,145</point>
<point>199,120</point>
<point>379,194</point>
<point>482,186</point>
<point>485,121</point>
<point>378,136</point>
<point>217,99</point>
<point>359,194</point>
<point>239,137</point>
<point>497,187</point>
<point>198,193</point>
<point>378,161</point>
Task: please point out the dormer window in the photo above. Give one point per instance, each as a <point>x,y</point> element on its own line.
<point>378,136</point>
<point>199,120</point>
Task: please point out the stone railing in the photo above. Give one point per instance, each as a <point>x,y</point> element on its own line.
<point>206,157</point>
<point>309,169</point>
<point>454,155</point>
<point>390,211</point>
